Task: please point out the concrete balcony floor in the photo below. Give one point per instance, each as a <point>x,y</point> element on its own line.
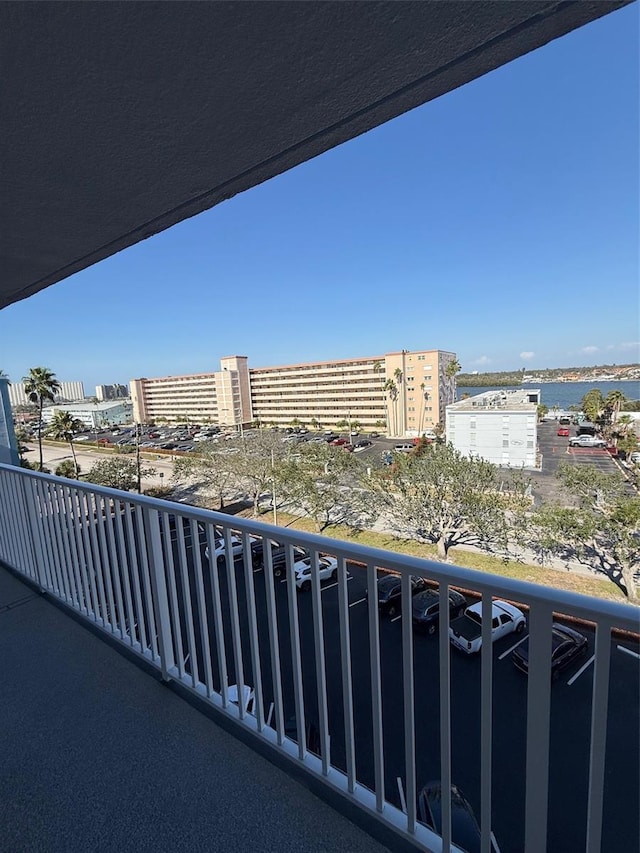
<point>99,755</point>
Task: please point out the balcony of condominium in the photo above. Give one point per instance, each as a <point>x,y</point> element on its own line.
<point>172,680</point>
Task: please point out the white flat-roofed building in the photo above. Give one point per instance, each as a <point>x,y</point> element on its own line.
<point>499,426</point>
<point>69,391</point>
<point>93,415</point>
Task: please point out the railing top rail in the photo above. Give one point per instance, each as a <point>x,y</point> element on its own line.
<point>617,613</point>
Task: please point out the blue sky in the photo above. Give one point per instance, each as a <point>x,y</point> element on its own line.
<point>500,222</point>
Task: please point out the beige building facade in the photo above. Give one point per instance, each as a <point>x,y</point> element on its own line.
<point>402,393</point>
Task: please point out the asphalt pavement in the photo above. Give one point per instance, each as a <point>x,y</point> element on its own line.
<point>570,723</point>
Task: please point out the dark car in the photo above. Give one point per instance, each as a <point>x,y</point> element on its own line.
<point>465,832</point>
<point>566,646</point>
<point>364,442</point>
<point>390,592</point>
<point>278,556</point>
<point>426,609</point>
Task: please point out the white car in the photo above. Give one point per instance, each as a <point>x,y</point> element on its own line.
<point>404,448</point>
<point>465,632</point>
<point>328,568</point>
<point>634,458</point>
<point>221,549</point>
<point>587,441</point>
<point>82,438</point>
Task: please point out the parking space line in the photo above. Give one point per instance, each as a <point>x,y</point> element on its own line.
<point>581,670</point>
<point>331,585</point>
<point>504,654</point>
<point>395,618</point>
<point>359,601</point>
<point>628,651</point>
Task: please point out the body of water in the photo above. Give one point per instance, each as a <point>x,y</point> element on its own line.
<point>563,394</point>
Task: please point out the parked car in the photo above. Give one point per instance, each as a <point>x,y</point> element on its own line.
<point>390,592</point>
<point>611,449</point>
<point>364,442</point>
<point>426,609</point>
<point>567,646</point>
<point>465,632</point>
<point>563,431</point>
<point>82,438</point>
<point>634,457</point>
<point>354,433</point>
<point>338,442</point>
<point>404,447</point>
<point>465,831</point>
<point>221,549</point>
<point>587,441</point>
<point>328,568</point>
<point>278,555</point>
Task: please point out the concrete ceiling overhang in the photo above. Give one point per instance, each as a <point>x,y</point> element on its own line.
<point>121,119</point>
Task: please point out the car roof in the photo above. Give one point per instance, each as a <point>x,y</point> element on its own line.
<point>388,581</point>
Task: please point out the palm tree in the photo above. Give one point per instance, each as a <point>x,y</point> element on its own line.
<point>63,428</point>
<point>397,374</point>
<point>392,389</point>
<point>424,396</point>
<point>614,401</point>
<point>40,385</point>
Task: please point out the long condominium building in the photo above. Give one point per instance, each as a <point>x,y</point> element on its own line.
<point>402,393</point>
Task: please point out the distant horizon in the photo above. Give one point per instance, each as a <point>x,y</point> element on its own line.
<point>527,370</point>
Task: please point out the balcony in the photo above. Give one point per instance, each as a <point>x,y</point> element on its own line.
<point>347,700</point>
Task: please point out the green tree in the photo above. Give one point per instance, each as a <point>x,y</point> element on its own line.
<point>64,427</point>
<point>602,531</point>
<point>593,404</point>
<point>542,411</point>
<point>40,385</point>
<point>208,468</point>
<point>443,497</point>
<point>321,482</point>
<point>452,369</point>
<point>69,469</point>
<point>614,401</point>
<point>117,473</point>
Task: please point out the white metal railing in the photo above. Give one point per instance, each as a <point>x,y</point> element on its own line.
<point>136,568</point>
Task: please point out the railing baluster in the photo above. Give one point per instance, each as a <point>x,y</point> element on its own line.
<point>258,701</point>
<point>60,543</point>
<point>274,643</point>
<point>347,683</point>
<point>597,757</point>
<point>40,513</point>
<point>121,620</point>
<point>92,525</point>
<point>172,590</point>
<point>486,724</point>
<point>142,529</point>
<point>238,662</point>
<point>445,714</point>
<point>83,510</point>
<point>538,721</point>
<point>294,636</point>
<point>123,509</point>
<point>46,510</point>
<point>202,607</point>
<point>135,574</point>
<point>217,616</point>
<point>376,685</point>
<point>321,675</point>
<point>158,579</point>
<point>100,511</point>
<point>186,599</point>
<point>409,704</point>
<point>76,549</point>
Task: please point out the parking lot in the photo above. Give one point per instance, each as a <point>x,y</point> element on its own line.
<point>571,698</point>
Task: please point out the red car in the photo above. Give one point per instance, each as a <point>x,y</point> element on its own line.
<point>564,431</point>
<point>338,442</point>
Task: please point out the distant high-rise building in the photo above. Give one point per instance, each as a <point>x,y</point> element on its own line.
<point>111,392</point>
<point>69,392</point>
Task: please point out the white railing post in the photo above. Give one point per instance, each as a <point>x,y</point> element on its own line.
<point>159,591</point>
<point>35,532</point>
